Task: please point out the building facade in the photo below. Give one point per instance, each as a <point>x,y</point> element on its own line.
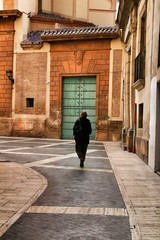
<point>59,65</point>
<point>140,27</point>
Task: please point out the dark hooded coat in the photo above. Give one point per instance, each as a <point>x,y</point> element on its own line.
<point>86,130</point>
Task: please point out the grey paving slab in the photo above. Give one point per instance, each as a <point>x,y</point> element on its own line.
<point>69,187</point>
<point>20,144</point>
<point>68,227</point>
<point>89,163</point>
<point>45,141</point>
<point>8,139</point>
<point>95,143</point>
<point>93,146</point>
<point>80,188</point>
<point>97,153</point>
<point>22,158</point>
<point>68,146</point>
<point>60,151</point>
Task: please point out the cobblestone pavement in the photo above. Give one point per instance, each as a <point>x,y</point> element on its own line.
<point>45,195</point>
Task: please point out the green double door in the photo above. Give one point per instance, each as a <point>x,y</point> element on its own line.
<point>79,94</point>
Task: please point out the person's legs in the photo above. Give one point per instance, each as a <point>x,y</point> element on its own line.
<point>84,150</point>
<point>81,152</point>
<point>78,148</point>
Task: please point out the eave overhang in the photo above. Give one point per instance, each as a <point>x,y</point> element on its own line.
<point>54,18</point>
<point>10,14</point>
<point>82,37</point>
<point>123,13</point>
<point>79,34</point>
<point>35,39</point>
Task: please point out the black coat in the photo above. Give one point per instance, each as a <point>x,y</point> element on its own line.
<point>86,130</point>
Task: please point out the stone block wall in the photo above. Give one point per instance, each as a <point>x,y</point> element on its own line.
<point>28,126</point>
<point>142,149</point>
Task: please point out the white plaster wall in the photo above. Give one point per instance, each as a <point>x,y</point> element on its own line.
<point>46,6</point>
<point>97,12</point>
<point>1,4</point>
<point>152,125</point>
<point>156,32</point>
<point>100,4</point>
<point>27,5</point>
<point>22,28</point>
<point>81,11</point>
<point>155,79</point>
<point>143,96</point>
<point>22,24</point>
<point>63,7</point>
<point>102,18</point>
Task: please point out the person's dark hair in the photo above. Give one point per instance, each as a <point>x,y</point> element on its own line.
<point>84,114</point>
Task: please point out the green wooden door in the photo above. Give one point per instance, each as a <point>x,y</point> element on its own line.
<point>79,94</point>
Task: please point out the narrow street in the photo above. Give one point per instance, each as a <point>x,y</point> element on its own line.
<point>77,203</point>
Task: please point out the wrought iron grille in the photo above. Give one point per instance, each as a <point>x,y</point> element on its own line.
<point>140,66</point>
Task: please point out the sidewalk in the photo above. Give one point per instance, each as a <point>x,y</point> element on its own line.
<point>20,186</point>
<point>140,188</point>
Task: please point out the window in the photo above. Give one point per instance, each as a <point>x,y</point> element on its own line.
<point>140,66</point>
<point>143,33</point>
<point>29,102</point>
<point>140,120</point>
<point>140,59</point>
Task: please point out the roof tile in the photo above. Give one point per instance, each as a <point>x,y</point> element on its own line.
<point>79,31</point>
<point>37,37</point>
<point>60,19</point>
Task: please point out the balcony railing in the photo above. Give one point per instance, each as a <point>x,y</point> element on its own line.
<point>140,66</point>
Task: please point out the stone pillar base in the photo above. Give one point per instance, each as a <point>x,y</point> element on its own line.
<point>130,140</point>
<point>124,138</point>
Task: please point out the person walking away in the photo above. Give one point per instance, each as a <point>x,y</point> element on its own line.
<point>81,131</point>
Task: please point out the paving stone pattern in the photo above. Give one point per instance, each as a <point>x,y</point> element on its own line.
<point>82,204</point>
<point>69,227</point>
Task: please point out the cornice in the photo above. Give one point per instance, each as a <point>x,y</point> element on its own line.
<point>10,14</point>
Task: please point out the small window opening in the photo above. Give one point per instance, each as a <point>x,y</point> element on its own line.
<point>143,33</point>
<point>140,121</point>
<point>29,102</point>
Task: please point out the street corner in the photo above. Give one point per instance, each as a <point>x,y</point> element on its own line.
<point>20,186</point>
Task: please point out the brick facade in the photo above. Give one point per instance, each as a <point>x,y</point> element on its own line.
<point>75,59</point>
<point>116,83</point>
<point>31,83</point>
<point>31,76</point>
<point>6,62</point>
<point>40,66</point>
